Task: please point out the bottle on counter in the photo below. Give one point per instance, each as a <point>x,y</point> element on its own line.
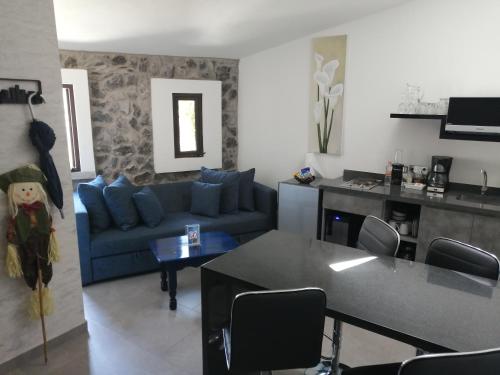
<point>407,175</point>
<point>388,173</point>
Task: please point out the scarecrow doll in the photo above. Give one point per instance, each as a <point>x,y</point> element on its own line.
<point>31,242</point>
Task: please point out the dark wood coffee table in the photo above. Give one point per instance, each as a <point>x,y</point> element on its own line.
<point>173,254</point>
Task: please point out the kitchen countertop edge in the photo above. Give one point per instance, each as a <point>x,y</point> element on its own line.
<point>399,194</point>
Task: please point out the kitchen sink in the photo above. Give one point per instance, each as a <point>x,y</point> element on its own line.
<point>482,199</point>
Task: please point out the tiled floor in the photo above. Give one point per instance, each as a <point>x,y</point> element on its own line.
<point>132,331</point>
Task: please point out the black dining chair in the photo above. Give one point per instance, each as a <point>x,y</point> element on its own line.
<point>485,362</point>
<point>459,256</point>
<point>378,237</point>
<point>275,330</point>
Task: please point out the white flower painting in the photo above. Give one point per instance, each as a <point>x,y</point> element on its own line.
<point>328,89</point>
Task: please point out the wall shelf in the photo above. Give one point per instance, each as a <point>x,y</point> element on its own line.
<point>442,118</point>
<point>417,116</point>
<point>447,135</point>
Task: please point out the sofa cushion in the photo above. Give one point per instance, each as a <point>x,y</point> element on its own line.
<point>205,199</point>
<point>91,195</point>
<point>115,241</point>
<point>174,196</point>
<point>149,207</point>
<point>246,199</point>
<point>243,222</point>
<point>118,197</point>
<point>230,187</point>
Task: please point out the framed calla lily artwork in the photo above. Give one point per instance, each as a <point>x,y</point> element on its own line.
<point>327,93</point>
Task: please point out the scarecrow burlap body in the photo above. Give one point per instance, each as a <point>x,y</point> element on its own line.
<point>30,233</point>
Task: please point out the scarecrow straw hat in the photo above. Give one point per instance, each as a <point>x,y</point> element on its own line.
<point>28,173</point>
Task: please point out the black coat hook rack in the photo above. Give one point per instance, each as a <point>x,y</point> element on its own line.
<point>17,95</point>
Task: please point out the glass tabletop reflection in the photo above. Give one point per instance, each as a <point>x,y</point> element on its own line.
<point>400,298</point>
<point>175,248</point>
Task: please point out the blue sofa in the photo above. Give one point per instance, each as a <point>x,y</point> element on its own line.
<point>114,253</point>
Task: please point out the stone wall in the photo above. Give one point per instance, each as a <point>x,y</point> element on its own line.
<point>120,105</point>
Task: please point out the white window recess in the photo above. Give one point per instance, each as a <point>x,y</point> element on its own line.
<point>163,124</point>
<point>78,79</point>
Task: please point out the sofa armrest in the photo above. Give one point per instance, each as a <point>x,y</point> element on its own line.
<point>83,234</point>
<point>266,201</point>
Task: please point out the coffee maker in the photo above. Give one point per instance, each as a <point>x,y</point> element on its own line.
<point>438,179</point>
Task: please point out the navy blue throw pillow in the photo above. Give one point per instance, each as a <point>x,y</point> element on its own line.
<point>230,181</point>
<point>246,190</point>
<point>149,207</point>
<point>118,197</point>
<point>205,198</point>
<point>91,195</point>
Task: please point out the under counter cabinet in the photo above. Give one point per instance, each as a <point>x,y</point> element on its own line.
<point>435,222</point>
<point>353,204</point>
<point>298,209</point>
<point>486,233</point>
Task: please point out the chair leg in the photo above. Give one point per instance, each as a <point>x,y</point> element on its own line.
<point>330,366</point>
<point>336,341</point>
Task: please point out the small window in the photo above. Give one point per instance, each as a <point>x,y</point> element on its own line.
<point>71,127</point>
<point>188,126</point>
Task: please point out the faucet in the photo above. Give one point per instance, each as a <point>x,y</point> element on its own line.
<point>484,187</point>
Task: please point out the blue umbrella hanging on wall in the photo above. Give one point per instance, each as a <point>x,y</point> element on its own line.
<point>43,138</point>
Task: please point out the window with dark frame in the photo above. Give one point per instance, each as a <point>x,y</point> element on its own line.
<point>71,127</point>
<point>188,125</point>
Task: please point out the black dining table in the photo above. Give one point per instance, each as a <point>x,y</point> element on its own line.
<point>431,308</point>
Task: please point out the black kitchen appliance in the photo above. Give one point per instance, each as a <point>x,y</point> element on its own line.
<point>439,177</point>
<point>473,116</point>
<point>342,228</point>
<point>397,174</point>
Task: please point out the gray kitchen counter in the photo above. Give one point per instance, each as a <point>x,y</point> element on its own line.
<point>398,194</point>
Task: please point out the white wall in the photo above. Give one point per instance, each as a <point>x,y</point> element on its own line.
<point>29,50</point>
<point>449,47</point>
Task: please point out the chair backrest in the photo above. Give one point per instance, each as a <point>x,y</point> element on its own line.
<point>458,256</point>
<point>277,330</point>
<point>378,237</point>
<point>486,362</point>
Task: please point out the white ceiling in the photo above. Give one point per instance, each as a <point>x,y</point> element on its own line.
<point>216,28</point>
